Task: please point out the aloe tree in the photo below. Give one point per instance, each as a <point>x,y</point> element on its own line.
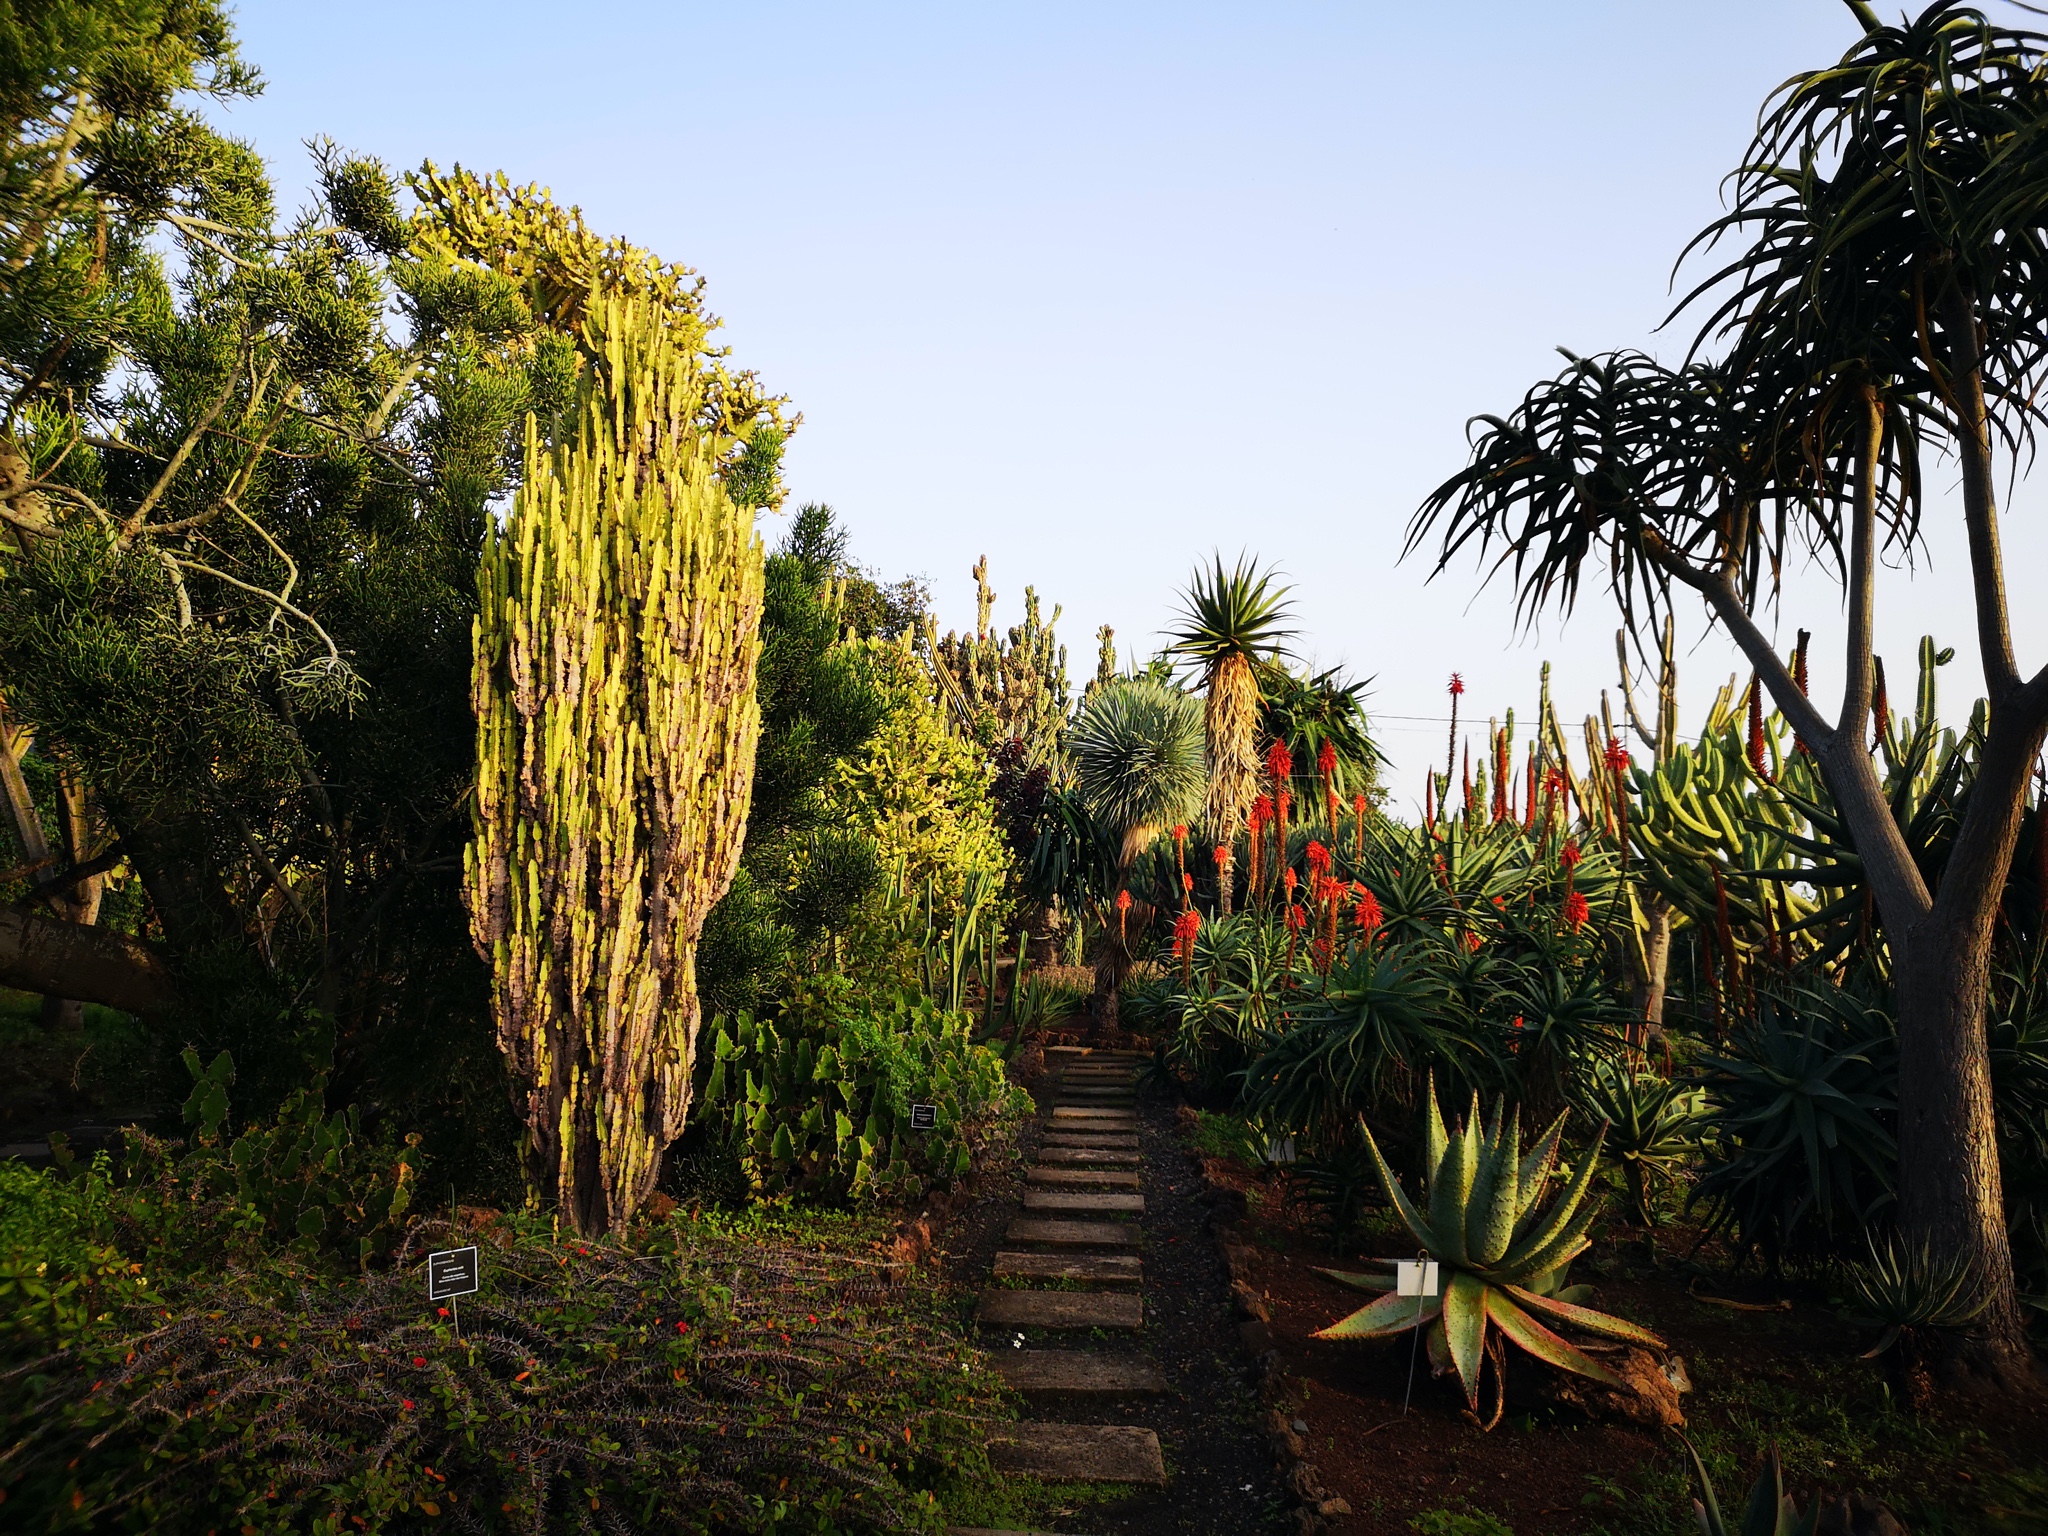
<point>1893,287</point>
<point>1137,752</point>
<point>1229,622</point>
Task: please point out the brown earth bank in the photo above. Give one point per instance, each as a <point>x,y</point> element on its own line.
<point>1768,1359</point>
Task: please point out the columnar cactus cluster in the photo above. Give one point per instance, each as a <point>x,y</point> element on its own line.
<point>613,686</point>
<point>1014,685</point>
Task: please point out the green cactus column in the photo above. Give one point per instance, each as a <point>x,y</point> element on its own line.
<point>615,642</point>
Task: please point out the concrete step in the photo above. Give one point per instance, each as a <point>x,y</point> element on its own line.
<point>1083,1178</point>
<point>1078,1453</point>
<point>1122,1141</point>
<point>1073,1234</point>
<point>1077,1371</point>
<point>1074,1202</point>
<point>1102,1156</point>
<point>1111,1268</point>
<point>1099,1098</point>
<point>1060,1309</point>
<point>1075,1113</point>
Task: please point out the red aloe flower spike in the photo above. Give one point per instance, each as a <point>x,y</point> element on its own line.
<point>1326,760</point>
<point>1318,859</point>
<point>1279,763</point>
<point>1457,684</point>
<point>1222,856</point>
<point>1286,805</point>
<point>1262,810</point>
<point>1367,914</point>
<point>1570,854</point>
<point>1290,880</point>
<point>1575,910</point>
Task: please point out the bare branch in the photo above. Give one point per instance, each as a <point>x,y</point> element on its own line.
<point>135,519</point>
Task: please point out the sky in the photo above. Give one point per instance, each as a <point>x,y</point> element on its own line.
<point>1096,290</point>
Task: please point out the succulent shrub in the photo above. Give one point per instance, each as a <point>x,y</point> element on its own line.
<point>1653,1125</point>
<point>1913,1295</point>
<point>818,1099</point>
<point>1501,1256</point>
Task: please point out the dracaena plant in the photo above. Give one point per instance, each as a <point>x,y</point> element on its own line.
<point>1501,1257</point>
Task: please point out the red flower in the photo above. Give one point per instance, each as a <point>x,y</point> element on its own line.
<point>1326,760</point>
<point>1222,856</point>
<point>1367,914</point>
<point>1358,804</point>
<point>407,1401</point>
<point>1569,855</point>
<point>1575,910</point>
<point>1280,761</point>
<point>1617,756</point>
<point>419,1359</point>
<point>1290,880</point>
<point>1286,804</point>
<point>682,1327</point>
<point>1262,811</point>
<point>1187,881</point>
<point>1185,928</point>
<point>1318,859</point>
<point>1123,901</point>
<point>1457,684</point>
<point>1180,832</point>
<point>1297,917</point>
<point>1472,942</point>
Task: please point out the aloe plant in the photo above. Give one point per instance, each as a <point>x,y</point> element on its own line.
<point>1769,1512</point>
<point>1501,1261</point>
<point>1653,1125</point>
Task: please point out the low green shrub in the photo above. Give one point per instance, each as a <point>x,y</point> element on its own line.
<point>693,1383</point>
<point>819,1097</point>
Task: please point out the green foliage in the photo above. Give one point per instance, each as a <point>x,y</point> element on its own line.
<point>921,792</point>
<point>761,1386</point>
<point>308,1182</point>
<point>1308,710</point>
<point>1653,1125</point>
<point>819,1098</point>
<point>1502,1256</point>
<point>1907,1286</point>
<point>1802,1100</point>
<point>60,1276</point>
<point>1769,1511</point>
<point>1009,687</point>
<point>1451,1522</point>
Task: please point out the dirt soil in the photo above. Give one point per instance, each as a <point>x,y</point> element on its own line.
<point>1221,1477</point>
<point>1759,1375</point>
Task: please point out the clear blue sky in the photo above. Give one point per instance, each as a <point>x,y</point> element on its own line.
<point>1093,289</point>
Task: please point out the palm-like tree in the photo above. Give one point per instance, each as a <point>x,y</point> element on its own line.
<point>1137,753</point>
<point>1892,284</point>
<point>1229,622</point>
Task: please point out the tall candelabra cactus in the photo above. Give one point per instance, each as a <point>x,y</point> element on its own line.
<point>616,637</point>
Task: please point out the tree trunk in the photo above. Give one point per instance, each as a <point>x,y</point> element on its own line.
<point>81,904</point>
<point>1653,982</point>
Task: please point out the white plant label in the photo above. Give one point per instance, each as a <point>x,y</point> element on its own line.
<point>1415,1277</point>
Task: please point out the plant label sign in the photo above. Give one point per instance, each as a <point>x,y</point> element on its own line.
<point>924,1117</point>
<point>452,1272</point>
<point>1415,1277</point>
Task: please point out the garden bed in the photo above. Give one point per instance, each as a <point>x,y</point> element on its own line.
<point>1788,1376</point>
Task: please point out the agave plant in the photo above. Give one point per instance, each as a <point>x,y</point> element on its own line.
<point>1769,1512</point>
<point>1653,1125</point>
<point>1912,1295</point>
<point>1502,1260</point>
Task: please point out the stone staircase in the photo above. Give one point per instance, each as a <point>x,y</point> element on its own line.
<point>1082,1208</point>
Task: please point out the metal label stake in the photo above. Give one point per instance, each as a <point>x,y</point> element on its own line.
<point>1415,1277</point>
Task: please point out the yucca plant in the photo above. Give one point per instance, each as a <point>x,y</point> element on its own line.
<point>1229,621</point>
<point>1769,1512</point>
<point>1501,1260</point>
<point>1653,1125</point>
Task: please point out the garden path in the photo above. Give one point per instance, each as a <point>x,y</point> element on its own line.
<point>1107,1361</point>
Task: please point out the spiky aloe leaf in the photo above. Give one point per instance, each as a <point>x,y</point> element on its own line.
<point>1450,1188</point>
<point>1434,1138</point>
<point>1496,1195</point>
<point>1536,1166</point>
<point>1380,1319</point>
<point>1358,1282</point>
<point>1418,1228</point>
<point>1465,1328</point>
<point>1526,1263</point>
<point>1436,1348</point>
<point>1603,1323</point>
<point>1558,1218</point>
<point>1541,1342</point>
<point>1709,1511</point>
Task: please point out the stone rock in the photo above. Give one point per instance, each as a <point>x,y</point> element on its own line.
<point>1307,1486</point>
<point>1649,1397</point>
<point>1284,1438</point>
<point>1249,1303</point>
<point>1858,1514</point>
<point>1329,1509</point>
